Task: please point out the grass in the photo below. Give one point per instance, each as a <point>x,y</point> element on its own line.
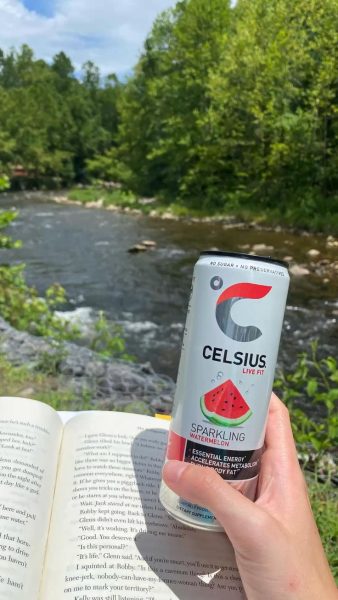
<point>126,199</point>
<point>85,195</point>
<point>324,502</point>
<point>50,389</point>
<point>115,197</point>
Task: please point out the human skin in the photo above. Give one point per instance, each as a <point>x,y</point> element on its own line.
<point>278,549</point>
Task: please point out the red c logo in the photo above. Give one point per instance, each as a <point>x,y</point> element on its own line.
<point>225,302</point>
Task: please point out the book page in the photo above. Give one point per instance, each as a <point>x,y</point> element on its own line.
<point>30,437</point>
<point>110,538</point>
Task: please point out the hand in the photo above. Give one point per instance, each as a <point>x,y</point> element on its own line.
<point>276,542</point>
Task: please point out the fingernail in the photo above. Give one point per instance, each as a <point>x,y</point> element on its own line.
<point>173,470</point>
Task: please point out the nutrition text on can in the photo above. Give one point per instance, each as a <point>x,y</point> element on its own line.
<point>228,358</point>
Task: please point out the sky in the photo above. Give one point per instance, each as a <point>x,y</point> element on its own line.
<point>108,32</point>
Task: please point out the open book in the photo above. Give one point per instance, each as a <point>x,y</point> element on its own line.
<point>80,517</point>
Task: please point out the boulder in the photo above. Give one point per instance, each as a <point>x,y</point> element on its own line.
<point>94,204</point>
<point>313,253</point>
<point>262,248</point>
<point>137,248</point>
<point>299,271</point>
<point>331,242</point>
<point>149,243</point>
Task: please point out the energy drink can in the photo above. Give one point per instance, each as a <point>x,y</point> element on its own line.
<point>228,358</point>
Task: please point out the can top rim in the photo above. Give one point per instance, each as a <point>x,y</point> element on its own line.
<point>268,259</point>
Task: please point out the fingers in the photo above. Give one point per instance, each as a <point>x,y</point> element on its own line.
<point>280,469</point>
<point>280,445</point>
<point>203,486</point>
<point>279,427</point>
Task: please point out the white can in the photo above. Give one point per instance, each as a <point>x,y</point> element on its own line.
<point>228,359</point>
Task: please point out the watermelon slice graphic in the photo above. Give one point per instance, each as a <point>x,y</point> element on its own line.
<point>224,405</point>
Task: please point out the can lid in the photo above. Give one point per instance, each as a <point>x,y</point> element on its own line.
<point>269,259</point>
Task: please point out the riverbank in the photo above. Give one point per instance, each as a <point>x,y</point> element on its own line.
<point>324,266</point>
<point>116,198</point>
<point>78,377</point>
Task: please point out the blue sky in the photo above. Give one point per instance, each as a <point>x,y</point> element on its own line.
<point>108,32</point>
<point>42,7</point>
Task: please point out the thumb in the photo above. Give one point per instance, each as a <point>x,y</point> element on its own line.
<point>240,517</point>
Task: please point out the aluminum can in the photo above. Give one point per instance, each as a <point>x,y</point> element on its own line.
<point>226,372</point>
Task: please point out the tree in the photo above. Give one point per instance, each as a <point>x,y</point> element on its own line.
<point>90,76</point>
<point>162,104</point>
<point>50,122</point>
<point>274,103</point>
<point>64,71</point>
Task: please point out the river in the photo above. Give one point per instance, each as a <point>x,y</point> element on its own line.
<point>86,251</point>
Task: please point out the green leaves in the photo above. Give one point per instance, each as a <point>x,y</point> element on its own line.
<point>4,185</point>
<point>50,122</point>
<point>108,340</point>
<point>312,385</point>
<point>237,106</point>
<point>20,304</point>
<point>6,218</point>
<point>163,105</point>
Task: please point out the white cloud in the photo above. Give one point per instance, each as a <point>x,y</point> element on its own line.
<point>109,32</point>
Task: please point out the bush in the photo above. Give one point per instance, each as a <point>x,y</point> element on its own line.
<point>4,182</point>
<point>313,383</point>
<point>108,340</point>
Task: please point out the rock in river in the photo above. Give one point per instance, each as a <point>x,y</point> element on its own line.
<point>299,271</point>
<point>262,248</point>
<point>313,253</point>
<point>137,248</point>
<point>148,243</point>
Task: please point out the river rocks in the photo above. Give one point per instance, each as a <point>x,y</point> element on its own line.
<point>288,258</point>
<point>313,253</point>
<point>110,185</point>
<point>110,383</point>
<point>262,248</point>
<point>299,271</point>
<point>167,216</point>
<point>149,243</point>
<point>146,201</point>
<point>65,200</point>
<point>331,242</point>
<point>163,404</point>
<point>94,204</point>
<point>324,268</point>
<point>143,246</point>
<point>137,248</point>
<point>229,225</point>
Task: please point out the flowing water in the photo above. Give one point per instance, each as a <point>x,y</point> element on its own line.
<point>86,251</point>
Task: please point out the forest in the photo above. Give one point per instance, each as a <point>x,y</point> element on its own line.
<point>228,107</point>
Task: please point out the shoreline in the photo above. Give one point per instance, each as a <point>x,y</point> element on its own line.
<point>116,200</point>
<point>166,214</point>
